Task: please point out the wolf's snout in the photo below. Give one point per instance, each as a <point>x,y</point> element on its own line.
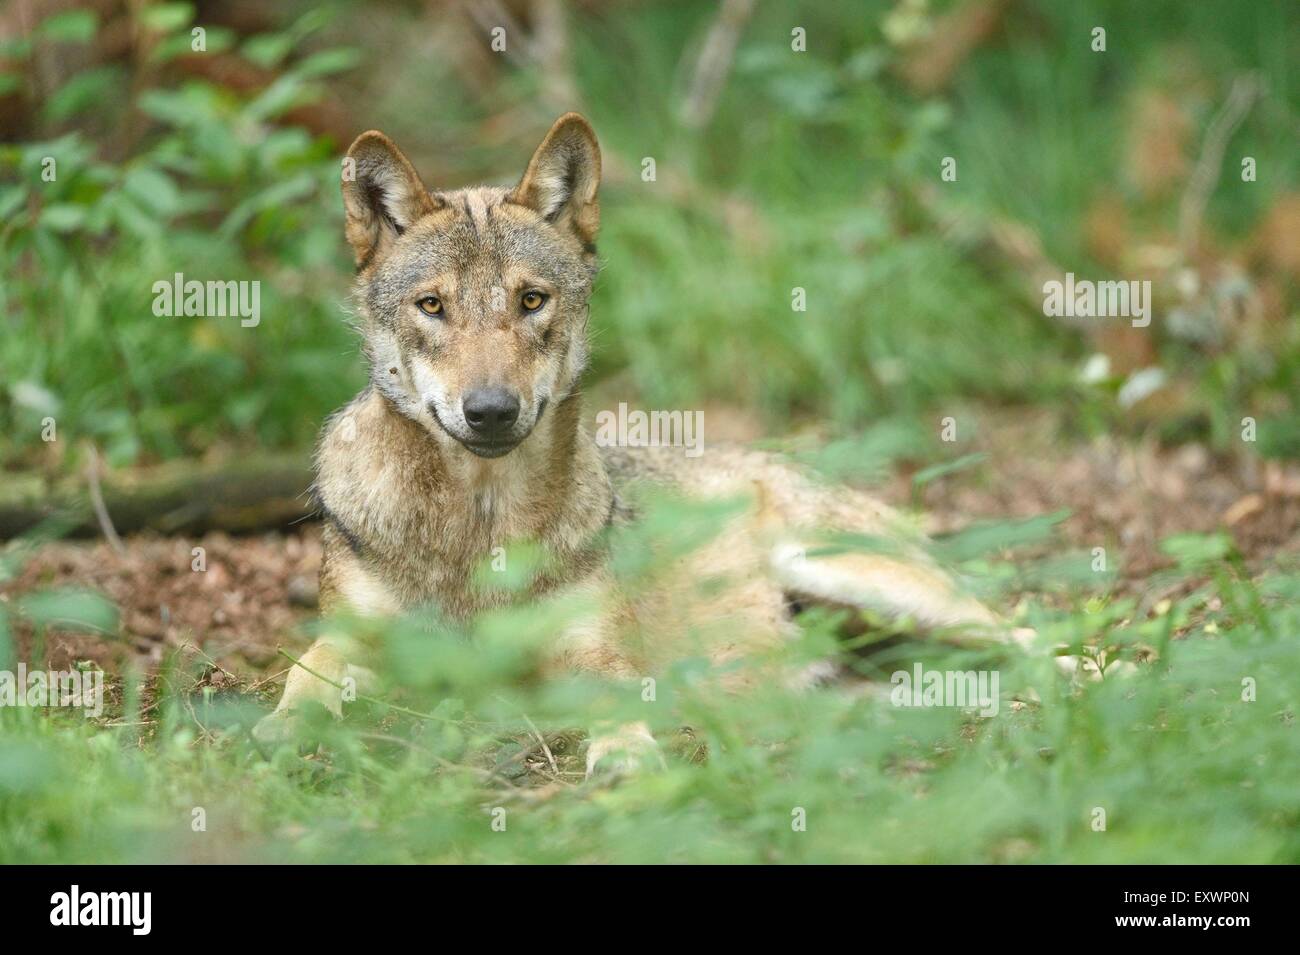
<point>491,412</point>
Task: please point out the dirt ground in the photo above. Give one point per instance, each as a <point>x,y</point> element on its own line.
<point>251,598</point>
<point>256,592</point>
<point>1120,496</point>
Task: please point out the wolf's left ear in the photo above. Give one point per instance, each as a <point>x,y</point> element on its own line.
<point>561,180</point>
<point>382,195</point>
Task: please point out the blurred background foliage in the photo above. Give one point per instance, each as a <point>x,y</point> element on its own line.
<point>817,170</point>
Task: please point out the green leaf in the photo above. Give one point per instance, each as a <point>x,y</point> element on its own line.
<point>63,216</point>
<point>152,189</point>
<point>999,535</point>
<point>1194,550</point>
<point>280,194</point>
<point>316,18</point>
<point>166,17</point>
<point>926,475</point>
<point>136,221</point>
<point>217,40</point>
<point>11,200</point>
<point>175,108</point>
<point>868,454</point>
<point>281,96</point>
<point>328,62</point>
<point>75,26</point>
<point>69,609</point>
<point>16,48</point>
<point>267,50</point>
<point>82,92</point>
<point>6,641</point>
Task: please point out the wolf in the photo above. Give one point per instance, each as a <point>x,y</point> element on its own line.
<point>472,308</point>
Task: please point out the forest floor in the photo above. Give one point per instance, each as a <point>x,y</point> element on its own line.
<point>258,591</point>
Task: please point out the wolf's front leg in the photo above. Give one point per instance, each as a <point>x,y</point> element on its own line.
<point>592,643</point>
<point>619,750</point>
<point>323,675</point>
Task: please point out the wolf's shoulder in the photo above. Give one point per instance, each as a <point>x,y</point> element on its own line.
<point>720,470</point>
<point>367,458</point>
<point>366,427</point>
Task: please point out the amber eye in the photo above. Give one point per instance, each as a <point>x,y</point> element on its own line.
<point>430,305</point>
<point>533,300</point>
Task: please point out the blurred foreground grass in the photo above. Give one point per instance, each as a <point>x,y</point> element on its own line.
<point>1190,759</point>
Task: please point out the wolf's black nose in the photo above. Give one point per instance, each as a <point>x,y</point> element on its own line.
<point>491,411</point>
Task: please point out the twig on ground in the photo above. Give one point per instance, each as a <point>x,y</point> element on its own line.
<point>1201,184</point>
<point>213,663</point>
<point>267,679</point>
<point>97,502</point>
<point>441,760</point>
<point>536,732</point>
<point>713,64</point>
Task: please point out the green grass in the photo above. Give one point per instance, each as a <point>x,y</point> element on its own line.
<point>1184,769</point>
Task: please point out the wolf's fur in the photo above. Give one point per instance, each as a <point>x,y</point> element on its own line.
<point>412,506</point>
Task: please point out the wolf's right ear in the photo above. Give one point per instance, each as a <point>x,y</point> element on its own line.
<point>382,195</point>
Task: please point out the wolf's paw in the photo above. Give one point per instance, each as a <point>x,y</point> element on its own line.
<point>279,726</point>
<point>629,750</point>
<point>299,725</point>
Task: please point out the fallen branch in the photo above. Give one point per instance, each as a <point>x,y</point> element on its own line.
<point>257,492</point>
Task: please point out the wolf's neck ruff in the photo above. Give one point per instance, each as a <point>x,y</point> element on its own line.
<point>421,513</point>
<point>538,473</point>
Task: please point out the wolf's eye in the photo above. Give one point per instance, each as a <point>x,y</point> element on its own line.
<point>533,300</point>
<point>430,305</point>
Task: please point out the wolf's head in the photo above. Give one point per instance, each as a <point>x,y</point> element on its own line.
<point>474,302</point>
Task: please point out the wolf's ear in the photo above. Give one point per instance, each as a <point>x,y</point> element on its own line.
<point>561,180</point>
<point>382,194</point>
